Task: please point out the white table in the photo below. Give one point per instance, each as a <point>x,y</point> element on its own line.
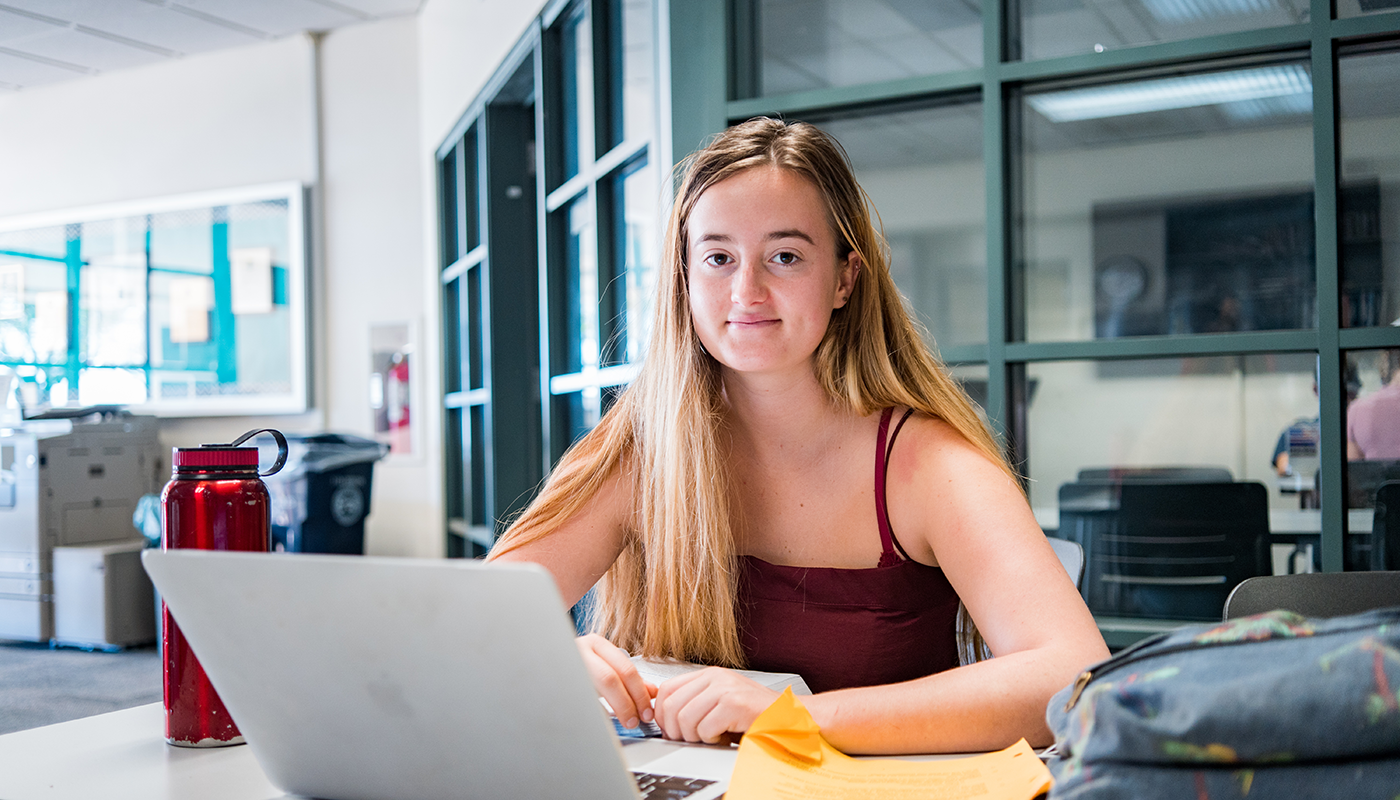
<point>123,756</point>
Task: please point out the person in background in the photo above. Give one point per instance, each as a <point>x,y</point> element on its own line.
<point>1373,421</point>
<point>1306,431</point>
<point>794,483</point>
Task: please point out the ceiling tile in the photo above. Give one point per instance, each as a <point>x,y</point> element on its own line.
<point>17,72</point>
<point>75,47</point>
<point>379,9</point>
<point>277,17</point>
<point>183,33</point>
<point>14,27</point>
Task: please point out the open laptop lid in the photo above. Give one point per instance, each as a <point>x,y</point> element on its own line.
<point>360,677</point>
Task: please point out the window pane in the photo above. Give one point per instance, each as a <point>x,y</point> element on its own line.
<point>447,185</point>
<point>454,458</point>
<point>477,467</point>
<point>1094,425</point>
<point>631,84</point>
<point>260,231</point>
<point>34,296</point>
<point>576,59</point>
<point>575,316</point>
<point>180,240</point>
<point>1066,27</point>
<point>452,336</point>
<point>817,44</point>
<point>111,386</point>
<point>639,200</point>
<point>470,222</point>
<point>1356,8</point>
<point>475,375</point>
<point>1369,132</point>
<point>574,415</point>
<point>1173,205</point>
<point>112,319</point>
<point>1372,426</point>
<point>973,379</point>
<point>923,171</point>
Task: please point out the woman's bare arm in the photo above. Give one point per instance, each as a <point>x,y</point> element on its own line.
<point>582,548</point>
<point>950,505</point>
<point>577,554</point>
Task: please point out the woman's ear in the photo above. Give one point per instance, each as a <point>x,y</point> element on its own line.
<point>846,278</point>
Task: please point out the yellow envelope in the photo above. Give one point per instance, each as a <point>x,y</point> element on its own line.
<point>784,757</point>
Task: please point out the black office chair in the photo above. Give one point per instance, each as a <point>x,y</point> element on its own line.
<point>1319,594</point>
<point>1166,550</point>
<point>1385,528</point>
<point>1364,479</point>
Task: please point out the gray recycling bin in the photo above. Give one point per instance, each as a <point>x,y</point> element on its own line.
<point>321,497</point>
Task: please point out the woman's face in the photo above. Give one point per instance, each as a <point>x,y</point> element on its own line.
<point>764,276</point>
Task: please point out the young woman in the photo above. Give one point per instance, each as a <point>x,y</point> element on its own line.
<point>794,483</point>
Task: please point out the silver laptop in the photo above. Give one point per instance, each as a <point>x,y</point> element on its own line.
<point>363,678</point>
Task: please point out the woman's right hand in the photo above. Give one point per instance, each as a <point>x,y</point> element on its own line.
<point>617,681</point>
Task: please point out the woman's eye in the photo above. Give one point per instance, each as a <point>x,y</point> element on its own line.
<point>785,258</point>
<point>717,259</point>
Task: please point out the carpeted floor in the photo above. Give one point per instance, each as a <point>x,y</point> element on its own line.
<point>39,686</point>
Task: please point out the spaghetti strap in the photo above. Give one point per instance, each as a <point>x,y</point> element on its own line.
<point>888,544</point>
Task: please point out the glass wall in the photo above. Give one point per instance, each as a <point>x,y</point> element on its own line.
<point>1066,27</point>
<point>1171,205</point>
<point>819,44</point>
<point>1369,197</point>
<point>1157,240</point>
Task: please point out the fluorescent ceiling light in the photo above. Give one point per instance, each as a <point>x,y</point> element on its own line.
<point>1181,11</point>
<point>1188,91</point>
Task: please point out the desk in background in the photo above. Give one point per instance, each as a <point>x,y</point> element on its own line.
<point>1294,531</point>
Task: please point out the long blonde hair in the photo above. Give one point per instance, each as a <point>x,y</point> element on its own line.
<point>671,592</point>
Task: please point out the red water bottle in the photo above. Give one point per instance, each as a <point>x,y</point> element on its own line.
<point>215,501</point>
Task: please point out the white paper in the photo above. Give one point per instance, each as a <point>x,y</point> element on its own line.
<point>250,277</point>
<point>12,291</point>
<point>656,671</point>
<point>190,301</point>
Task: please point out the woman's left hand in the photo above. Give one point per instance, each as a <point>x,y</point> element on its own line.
<point>705,705</point>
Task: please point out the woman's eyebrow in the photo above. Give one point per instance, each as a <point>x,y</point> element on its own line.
<point>775,235</point>
<point>791,234</point>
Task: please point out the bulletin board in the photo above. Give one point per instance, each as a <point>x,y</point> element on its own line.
<point>193,305</point>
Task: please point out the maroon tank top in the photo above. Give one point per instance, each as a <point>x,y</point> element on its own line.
<point>839,628</point>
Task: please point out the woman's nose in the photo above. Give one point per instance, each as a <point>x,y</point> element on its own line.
<point>747,287</point>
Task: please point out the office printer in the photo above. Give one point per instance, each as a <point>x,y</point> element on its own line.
<point>69,483</point>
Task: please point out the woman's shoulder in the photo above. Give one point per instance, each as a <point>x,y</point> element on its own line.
<point>932,440</point>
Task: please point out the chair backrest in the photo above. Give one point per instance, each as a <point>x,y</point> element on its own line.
<point>1157,474</point>
<point>1318,594</point>
<point>1071,555</point>
<point>1364,479</point>
<point>1167,550</point>
<point>1385,529</point>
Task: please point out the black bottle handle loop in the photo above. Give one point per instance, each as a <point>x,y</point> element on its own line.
<point>281,447</point>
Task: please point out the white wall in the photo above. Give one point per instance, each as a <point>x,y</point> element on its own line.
<point>374,264</point>
<point>230,118</point>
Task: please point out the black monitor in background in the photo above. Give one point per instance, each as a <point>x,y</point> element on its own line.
<point>1173,474</point>
<point>1364,478</point>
